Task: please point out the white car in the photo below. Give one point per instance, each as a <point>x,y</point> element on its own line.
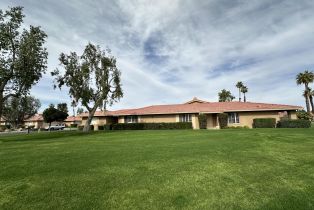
<point>55,127</point>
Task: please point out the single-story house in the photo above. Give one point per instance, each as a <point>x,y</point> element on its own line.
<point>73,120</point>
<point>37,121</point>
<point>240,113</point>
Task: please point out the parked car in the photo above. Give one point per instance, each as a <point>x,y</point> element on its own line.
<point>55,127</point>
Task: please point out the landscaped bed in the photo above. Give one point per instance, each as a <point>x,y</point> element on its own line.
<point>169,169</point>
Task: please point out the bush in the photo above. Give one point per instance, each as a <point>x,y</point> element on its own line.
<point>101,127</point>
<point>264,123</point>
<point>2,128</point>
<point>80,127</point>
<point>202,120</point>
<point>223,120</point>
<point>300,123</point>
<point>152,126</point>
<point>73,125</point>
<point>302,114</point>
<point>238,127</point>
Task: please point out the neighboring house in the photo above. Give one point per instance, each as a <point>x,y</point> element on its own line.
<point>37,121</point>
<point>240,113</point>
<point>3,121</point>
<point>73,120</point>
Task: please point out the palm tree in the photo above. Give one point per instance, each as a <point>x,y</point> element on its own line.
<point>225,96</point>
<point>310,93</point>
<point>305,78</point>
<point>244,90</point>
<point>239,85</point>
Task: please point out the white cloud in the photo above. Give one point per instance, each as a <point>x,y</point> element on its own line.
<point>170,51</point>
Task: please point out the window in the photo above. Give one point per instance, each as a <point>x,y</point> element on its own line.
<point>185,118</point>
<point>233,118</point>
<point>130,119</point>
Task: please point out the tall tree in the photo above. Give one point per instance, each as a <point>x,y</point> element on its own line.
<point>23,57</point>
<point>310,94</point>
<point>63,107</point>
<point>225,96</point>
<point>19,109</point>
<point>305,78</point>
<point>51,114</point>
<point>239,85</point>
<point>80,110</point>
<point>244,90</point>
<point>93,79</point>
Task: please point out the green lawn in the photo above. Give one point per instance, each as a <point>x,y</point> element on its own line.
<point>222,169</point>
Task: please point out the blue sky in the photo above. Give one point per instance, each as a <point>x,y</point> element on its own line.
<point>171,51</point>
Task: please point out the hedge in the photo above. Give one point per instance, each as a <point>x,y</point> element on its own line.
<point>223,120</point>
<point>104,127</point>
<point>264,123</point>
<point>202,120</point>
<point>151,126</point>
<point>80,127</point>
<point>73,125</point>
<point>300,123</point>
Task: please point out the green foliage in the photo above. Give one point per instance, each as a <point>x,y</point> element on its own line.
<point>305,78</point>
<point>202,119</point>
<point>238,127</point>
<point>264,123</point>
<point>302,114</point>
<point>300,123</point>
<point>93,79</point>
<point>73,125</point>
<point>18,109</point>
<point>80,110</point>
<point>223,120</point>
<point>152,126</point>
<point>23,55</point>
<point>225,96</point>
<point>63,107</point>
<point>52,114</point>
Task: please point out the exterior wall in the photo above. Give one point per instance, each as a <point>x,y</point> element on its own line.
<point>212,121</point>
<point>37,124</point>
<point>293,115</point>
<point>246,118</point>
<point>95,120</point>
<point>121,119</point>
<point>157,118</point>
<point>195,121</point>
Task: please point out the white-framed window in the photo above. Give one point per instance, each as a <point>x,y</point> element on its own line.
<point>233,117</point>
<point>185,118</point>
<point>130,119</point>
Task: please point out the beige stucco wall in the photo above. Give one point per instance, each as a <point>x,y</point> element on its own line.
<point>210,121</point>
<point>195,121</point>
<point>95,120</point>
<point>246,118</point>
<point>121,119</point>
<point>157,118</point>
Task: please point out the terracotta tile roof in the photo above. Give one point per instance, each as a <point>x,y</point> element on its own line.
<point>35,118</point>
<point>207,107</point>
<point>73,118</point>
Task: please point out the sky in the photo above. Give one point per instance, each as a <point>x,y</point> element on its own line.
<point>171,51</point>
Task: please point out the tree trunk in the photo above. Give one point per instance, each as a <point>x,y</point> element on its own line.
<point>239,95</point>
<point>244,97</point>
<point>312,103</point>
<point>307,103</point>
<point>1,104</point>
<point>89,119</point>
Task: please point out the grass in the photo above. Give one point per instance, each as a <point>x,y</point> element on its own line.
<point>226,169</point>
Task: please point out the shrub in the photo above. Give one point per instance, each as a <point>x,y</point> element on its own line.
<point>202,119</point>
<point>302,114</point>
<point>152,126</point>
<point>264,123</point>
<point>2,128</point>
<point>107,127</point>
<point>238,127</point>
<point>101,127</point>
<point>73,125</point>
<point>80,127</point>
<point>223,120</point>
<point>300,123</point>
